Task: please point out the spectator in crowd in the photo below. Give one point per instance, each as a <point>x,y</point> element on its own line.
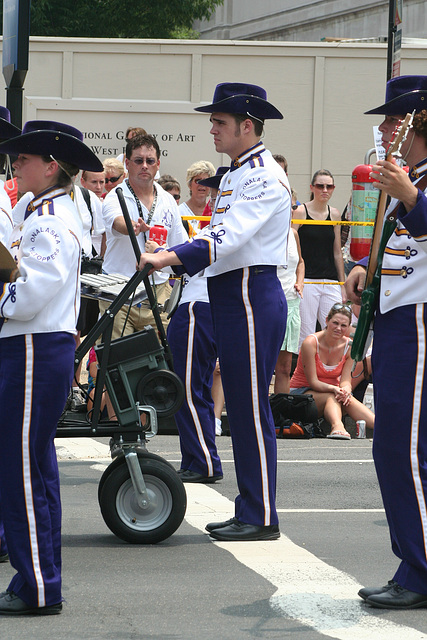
<point>239,252</point>
<point>94,181</point>
<point>148,204</point>
<point>282,161</point>
<point>324,370</point>
<point>131,132</point>
<point>40,304</point>
<point>171,185</point>
<point>195,205</point>
<point>114,173</point>
<point>292,281</point>
<point>321,250</point>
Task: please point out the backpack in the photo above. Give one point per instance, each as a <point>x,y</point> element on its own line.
<point>295,416</point>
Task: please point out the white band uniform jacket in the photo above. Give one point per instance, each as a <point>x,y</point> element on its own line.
<point>403,275</point>
<point>119,256</point>
<point>47,249</point>
<point>250,220</point>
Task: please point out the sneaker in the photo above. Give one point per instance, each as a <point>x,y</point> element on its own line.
<point>218,428</point>
<point>77,400</point>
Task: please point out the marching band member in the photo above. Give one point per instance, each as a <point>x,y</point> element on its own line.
<point>7,130</point>
<point>240,251</point>
<point>399,350</point>
<point>39,307</point>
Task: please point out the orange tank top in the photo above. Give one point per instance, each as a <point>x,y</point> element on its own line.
<point>330,374</point>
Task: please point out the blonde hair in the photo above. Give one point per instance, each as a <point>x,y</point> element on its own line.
<point>201,166</point>
<point>113,164</point>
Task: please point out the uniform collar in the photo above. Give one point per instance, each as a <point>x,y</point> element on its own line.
<point>49,194</point>
<point>254,151</point>
<point>418,170</point>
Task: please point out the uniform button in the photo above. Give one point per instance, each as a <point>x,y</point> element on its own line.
<point>387,293</point>
<point>407,253</point>
<point>403,272</point>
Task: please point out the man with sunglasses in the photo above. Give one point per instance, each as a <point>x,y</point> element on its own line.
<point>400,349</point>
<point>148,204</point>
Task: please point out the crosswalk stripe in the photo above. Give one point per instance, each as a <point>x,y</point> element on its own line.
<point>308,590</point>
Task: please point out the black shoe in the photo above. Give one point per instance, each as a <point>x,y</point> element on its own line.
<point>4,557</point>
<point>219,525</point>
<point>373,591</point>
<point>12,605</point>
<point>192,476</point>
<point>240,531</point>
<point>398,598</point>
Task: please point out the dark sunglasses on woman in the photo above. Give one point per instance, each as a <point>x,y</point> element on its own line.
<point>113,179</point>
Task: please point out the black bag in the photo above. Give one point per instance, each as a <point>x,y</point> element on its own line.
<point>295,416</point>
<point>297,408</point>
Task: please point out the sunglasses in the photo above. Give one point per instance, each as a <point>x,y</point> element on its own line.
<point>113,180</point>
<point>321,187</point>
<point>176,196</point>
<point>338,307</point>
<point>149,161</point>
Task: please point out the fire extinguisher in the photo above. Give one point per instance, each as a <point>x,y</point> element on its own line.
<point>364,203</point>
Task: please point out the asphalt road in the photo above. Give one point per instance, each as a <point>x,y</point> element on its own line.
<point>303,586</point>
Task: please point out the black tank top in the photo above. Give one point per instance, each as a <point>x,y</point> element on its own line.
<point>317,249</point>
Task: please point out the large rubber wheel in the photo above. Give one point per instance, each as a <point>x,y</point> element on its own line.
<point>119,460</point>
<point>120,509</point>
<point>163,390</point>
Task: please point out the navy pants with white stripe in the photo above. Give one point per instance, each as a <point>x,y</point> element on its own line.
<point>35,379</point>
<point>190,336</point>
<point>248,307</point>
<point>400,436</point>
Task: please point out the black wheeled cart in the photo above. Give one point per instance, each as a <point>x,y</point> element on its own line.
<point>141,496</point>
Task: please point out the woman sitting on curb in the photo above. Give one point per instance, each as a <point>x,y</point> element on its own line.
<point>324,370</point>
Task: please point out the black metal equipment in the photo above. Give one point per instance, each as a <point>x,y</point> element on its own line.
<point>142,498</point>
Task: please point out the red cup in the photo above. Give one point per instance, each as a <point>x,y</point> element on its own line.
<point>159,234</point>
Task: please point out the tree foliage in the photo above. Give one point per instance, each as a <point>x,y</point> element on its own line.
<point>118,19</point>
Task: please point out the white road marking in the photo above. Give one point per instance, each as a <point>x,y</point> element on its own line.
<point>294,461</point>
<point>81,449</point>
<point>308,589</point>
<point>330,511</point>
<point>345,461</point>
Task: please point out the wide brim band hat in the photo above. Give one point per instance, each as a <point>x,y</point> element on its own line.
<point>238,97</point>
<point>7,129</point>
<point>214,181</point>
<point>61,141</point>
<point>403,95</point>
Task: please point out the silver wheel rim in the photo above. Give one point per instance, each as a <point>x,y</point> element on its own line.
<point>138,519</point>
